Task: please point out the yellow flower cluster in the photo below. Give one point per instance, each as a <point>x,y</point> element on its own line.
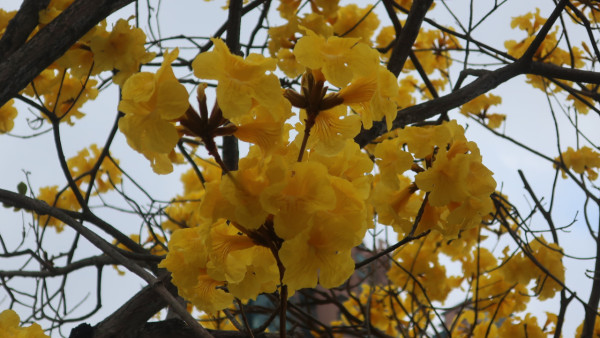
<point>512,326</point>
<point>521,269</point>
<point>479,107</point>
<point>82,164</point>
<point>457,184</point>
<point>548,51</point>
<point>9,327</point>
<point>64,199</point>
<point>385,312</point>
<point>582,160</point>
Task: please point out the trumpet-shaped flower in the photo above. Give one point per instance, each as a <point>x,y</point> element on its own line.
<point>122,50</point>
<point>331,130</point>
<point>235,258</point>
<point>308,259</point>
<point>241,81</point>
<point>150,103</point>
<point>294,200</point>
<point>187,259</point>
<point>340,59</point>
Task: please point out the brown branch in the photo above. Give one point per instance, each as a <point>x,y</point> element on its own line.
<point>425,110</point>
<point>62,270</point>
<point>131,316</point>
<point>408,35</point>
<point>51,42</point>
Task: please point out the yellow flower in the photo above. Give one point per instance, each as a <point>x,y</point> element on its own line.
<point>122,50</point>
<point>63,96</point>
<point>350,163</point>
<point>296,199</point>
<point>432,50</point>
<point>187,260</point>
<point>242,189</point>
<point>7,116</point>
<point>241,81</point>
<point>421,141</point>
<point>9,326</point>
<point>384,88</point>
<point>519,327</point>
<point>247,268</point>
<point>81,165</point>
<point>495,120</point>
<point>340,59</point>
<point>355,22</point>
<point>150,103</point>
<point>392,161</point>
<point>326,8</point>
<point>446,180</point>
<point>421,260</point>
<point>66,200</point>
<point>263,128</point>
<point>287,63</point>
<point>307,259</point>
<point>582,160</point>
<point>396,205</point>
<point>55,7</point>
<point>385,37</point>
<point>480,104</point>
<point>596,330</point>
<point>287,8</point>
<point>331,130</point>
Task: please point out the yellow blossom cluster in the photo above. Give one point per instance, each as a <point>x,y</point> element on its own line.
<point>521,268</point>
<point>63,199</point>
<point>583,160</point>
<point>457,184</point>
<point>82,165</point>
<point>510,327</point>
<point>479,107</point>
<point>10,328</point>
<point>549,50</point>
<point>385,311</point>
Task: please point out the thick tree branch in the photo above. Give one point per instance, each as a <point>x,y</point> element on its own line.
<point>407,37</point>
<point>21,25</point>
<point>425,110</point>
<point>132,315</point>
<point>51,42</point>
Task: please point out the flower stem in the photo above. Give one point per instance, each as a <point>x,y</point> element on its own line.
<point>310,122</point>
